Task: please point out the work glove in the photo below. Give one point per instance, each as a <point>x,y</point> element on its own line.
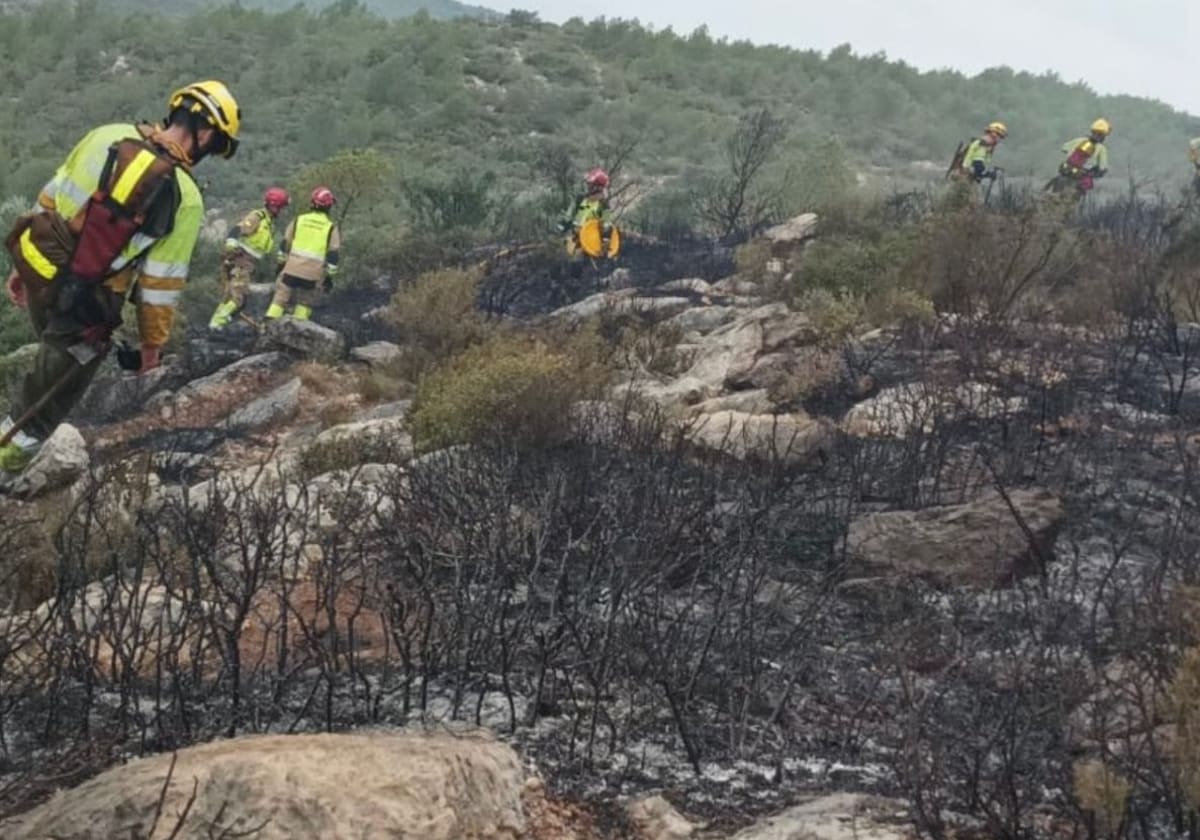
<point>327,285</point>
<point>150,358</point>
<point>129,357</point>
<point>979,170</point>
<point>16,290</point>
<point>563,227</point>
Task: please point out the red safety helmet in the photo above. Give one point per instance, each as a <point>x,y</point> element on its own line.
<point>597,179</point>
<point>276,198</point>
<point>322,198</point>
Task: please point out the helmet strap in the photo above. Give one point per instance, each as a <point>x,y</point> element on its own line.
<point>155,135</point>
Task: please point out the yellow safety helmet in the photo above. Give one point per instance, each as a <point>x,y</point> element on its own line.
<point>1101,127</point>
<point>999,129</point>
<point>213,101</point>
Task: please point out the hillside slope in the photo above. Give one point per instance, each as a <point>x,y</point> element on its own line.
<point>488,96</point>
<point>440,9</point>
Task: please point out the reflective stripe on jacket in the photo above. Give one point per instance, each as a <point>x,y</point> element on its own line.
<point>161,264</point>
<point>310,248</point>
<point>255,235</point>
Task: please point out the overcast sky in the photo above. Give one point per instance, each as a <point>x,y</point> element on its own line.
<point>1138,47</point>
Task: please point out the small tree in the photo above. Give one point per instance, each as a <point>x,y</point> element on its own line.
<point>352,174</point>
<point>735,203</point>
<point>462,202</point>
<point>555,165</point>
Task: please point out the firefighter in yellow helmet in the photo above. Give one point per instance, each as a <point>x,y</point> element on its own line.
<point>976,163</point>
<point>309,257</point>
<point>121,213</point>
<point>1086,161</point>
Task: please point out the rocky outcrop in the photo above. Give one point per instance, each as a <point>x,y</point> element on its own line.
<point>744,353</point>
<point>793,230</point>
<point>839,816</point>
<point>117,393</point>
<point>273,407</point>
<point>377,353</point>
<point>305,339</point>
<point>380,784</point>
<point>916,409</point>
<point>623,302</point>
<point>703,319</point>
<point>654,818</point>
<point>790,438</point>
<point>206,386</point>
<point>374,436</point>
<point>984,543</point>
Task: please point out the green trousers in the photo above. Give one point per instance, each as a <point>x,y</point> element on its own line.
<point>62,351</point>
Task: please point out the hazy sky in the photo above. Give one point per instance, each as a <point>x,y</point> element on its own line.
<point>1117,46</point>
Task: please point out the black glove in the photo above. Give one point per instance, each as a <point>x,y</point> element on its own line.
<point>979,170</point>
<point>327,285</point>
<point>129,357</point>
<point>563,227</point>
<point>77,299</point>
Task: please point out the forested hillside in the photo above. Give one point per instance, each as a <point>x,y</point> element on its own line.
<point>442,9</point>
<point>494,104</point>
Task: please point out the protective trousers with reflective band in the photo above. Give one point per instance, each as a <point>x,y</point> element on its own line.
<point>57,333</point>
<point>237,269</point>
<point>286,286</point>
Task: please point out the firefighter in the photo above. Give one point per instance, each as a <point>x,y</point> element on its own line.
<point>249,242</point>
<point>1086,161</point>
<point>121,213</point>
<point>976,162</point>
<point>308,257</point>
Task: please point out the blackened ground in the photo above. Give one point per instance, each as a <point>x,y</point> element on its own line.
<point>523,282</point>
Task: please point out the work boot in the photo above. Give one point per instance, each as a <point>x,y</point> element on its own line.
<point>274,311</point>
<point>14,459</point>
<point>17,453</point>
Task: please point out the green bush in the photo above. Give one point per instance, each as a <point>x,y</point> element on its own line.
<point>859,265</point>
<point>512,389</point>
<point>437,318</point>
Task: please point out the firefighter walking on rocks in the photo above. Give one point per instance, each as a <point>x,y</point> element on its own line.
<point>251,240</point>
<point>120,218</point>
<point>308,258</point>
<point>1086,162</point>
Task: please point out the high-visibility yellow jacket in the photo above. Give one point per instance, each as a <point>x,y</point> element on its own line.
<point>311,247</point>
<point>160,265</point>
<point>588,208</point>
<point>977,151</point>
<point>253,236</point>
